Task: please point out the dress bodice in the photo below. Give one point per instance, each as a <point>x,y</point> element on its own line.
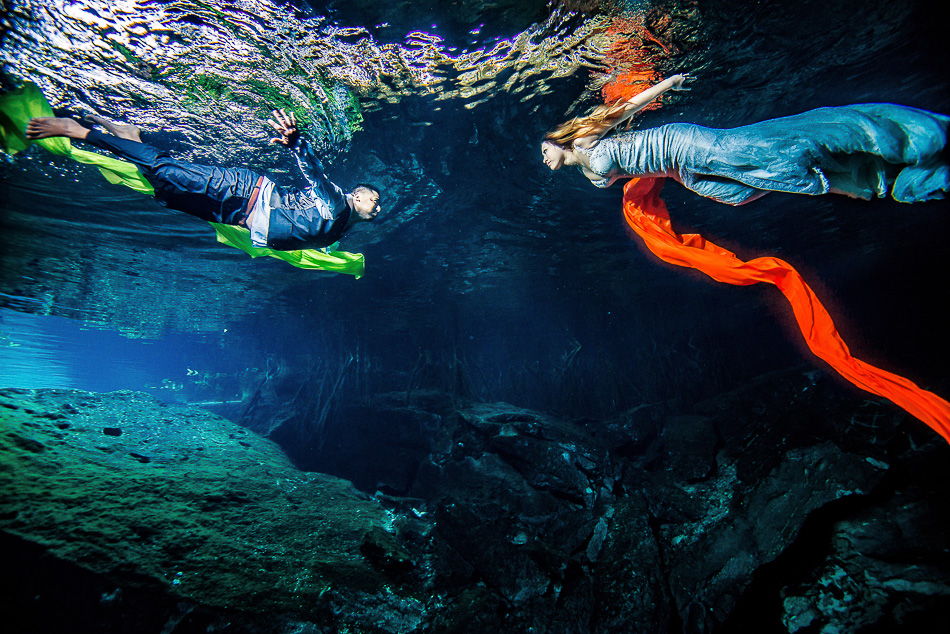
<point>661,151</point>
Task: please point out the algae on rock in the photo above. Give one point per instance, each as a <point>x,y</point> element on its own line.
<point>152,494</point>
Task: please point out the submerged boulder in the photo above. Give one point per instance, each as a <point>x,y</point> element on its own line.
<point>664,518</point>
<point>887,567</point>
<point>731,516</point>
<point>186,506</point>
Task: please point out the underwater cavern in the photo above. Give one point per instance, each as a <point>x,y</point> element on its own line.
<point>503,412</point>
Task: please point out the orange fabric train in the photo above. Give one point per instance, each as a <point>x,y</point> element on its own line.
<point>646,212</point>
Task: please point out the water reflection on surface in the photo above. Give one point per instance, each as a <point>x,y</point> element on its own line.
<point>211,71</point>
<point>56,352</point>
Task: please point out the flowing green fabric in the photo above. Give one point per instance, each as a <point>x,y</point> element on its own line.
<point>17,107</point>
<point>335,261</point>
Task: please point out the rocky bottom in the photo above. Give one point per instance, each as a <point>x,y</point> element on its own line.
<point>784,507</point>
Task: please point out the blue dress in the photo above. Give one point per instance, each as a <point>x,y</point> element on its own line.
<point>859,150</point>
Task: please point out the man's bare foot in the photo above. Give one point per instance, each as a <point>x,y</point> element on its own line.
<point>45,127</point>
<point>121,130</point>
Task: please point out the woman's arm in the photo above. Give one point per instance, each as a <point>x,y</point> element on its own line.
<point>640,101</point>
<point>634,105</point>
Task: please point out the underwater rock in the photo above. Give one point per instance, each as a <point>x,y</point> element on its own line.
<point>483,517</point>
<point>632,593</point>
<point>631,432</point>
<point>654,521</point>
<point>522,499</point>
<point>190,507</point>
<point>687,447</point>
<point>887,567</point>
<point>712,560</point>
<point>381,448</point>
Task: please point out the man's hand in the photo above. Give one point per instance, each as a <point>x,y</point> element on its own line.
<point>286,127</point>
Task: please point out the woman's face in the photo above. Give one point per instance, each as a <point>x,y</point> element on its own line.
<point>552,155</point>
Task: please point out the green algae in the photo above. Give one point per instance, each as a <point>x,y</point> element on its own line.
<point>127,487</point>
<point>124,51</point>
<point>199,87</point>
<point>203,86</point>
<point>203,89</point>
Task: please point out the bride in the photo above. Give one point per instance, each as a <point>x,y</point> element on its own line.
<point>861,151</point>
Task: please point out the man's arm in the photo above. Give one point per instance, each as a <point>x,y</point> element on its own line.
<point>307,159</point>
<point>311,166</point>
<point>286,126</point>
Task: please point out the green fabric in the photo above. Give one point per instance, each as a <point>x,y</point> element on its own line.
<point>21,105</point>
<point>336,261</point>
<point>17,107</point>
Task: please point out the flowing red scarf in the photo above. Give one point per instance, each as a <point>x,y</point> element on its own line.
<point>646,212</point>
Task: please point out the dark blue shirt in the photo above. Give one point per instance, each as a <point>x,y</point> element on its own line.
<point>310,218</point>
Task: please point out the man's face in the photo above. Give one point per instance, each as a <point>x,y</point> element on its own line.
<point>366,204</point>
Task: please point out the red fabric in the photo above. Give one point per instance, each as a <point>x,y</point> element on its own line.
<point>646,212</point>
<point>628,85</point>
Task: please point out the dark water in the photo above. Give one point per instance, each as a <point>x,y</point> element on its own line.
<point>486,272</point>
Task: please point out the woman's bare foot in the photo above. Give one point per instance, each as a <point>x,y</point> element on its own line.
<point>45,127</point>
<point>123,131</point>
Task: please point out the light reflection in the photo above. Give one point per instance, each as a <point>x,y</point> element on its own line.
<point>172,64</point>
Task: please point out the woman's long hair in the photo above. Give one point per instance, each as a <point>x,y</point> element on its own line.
<point>595,123</point>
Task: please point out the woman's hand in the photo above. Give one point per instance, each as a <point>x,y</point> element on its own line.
<point>679,82</point>
<point>286,126</point>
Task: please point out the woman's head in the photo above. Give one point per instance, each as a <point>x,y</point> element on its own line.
<point>596,123</point>
<point>553,155</point>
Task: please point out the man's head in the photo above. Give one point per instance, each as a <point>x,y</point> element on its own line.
<point>365,202</point>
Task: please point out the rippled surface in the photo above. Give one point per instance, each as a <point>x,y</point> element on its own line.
<point>201,77</point>
<point>213,70</point>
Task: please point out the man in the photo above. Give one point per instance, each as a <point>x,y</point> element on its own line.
<point>282,218</point>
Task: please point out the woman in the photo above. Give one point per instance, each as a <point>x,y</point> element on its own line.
<point>859,151</point>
